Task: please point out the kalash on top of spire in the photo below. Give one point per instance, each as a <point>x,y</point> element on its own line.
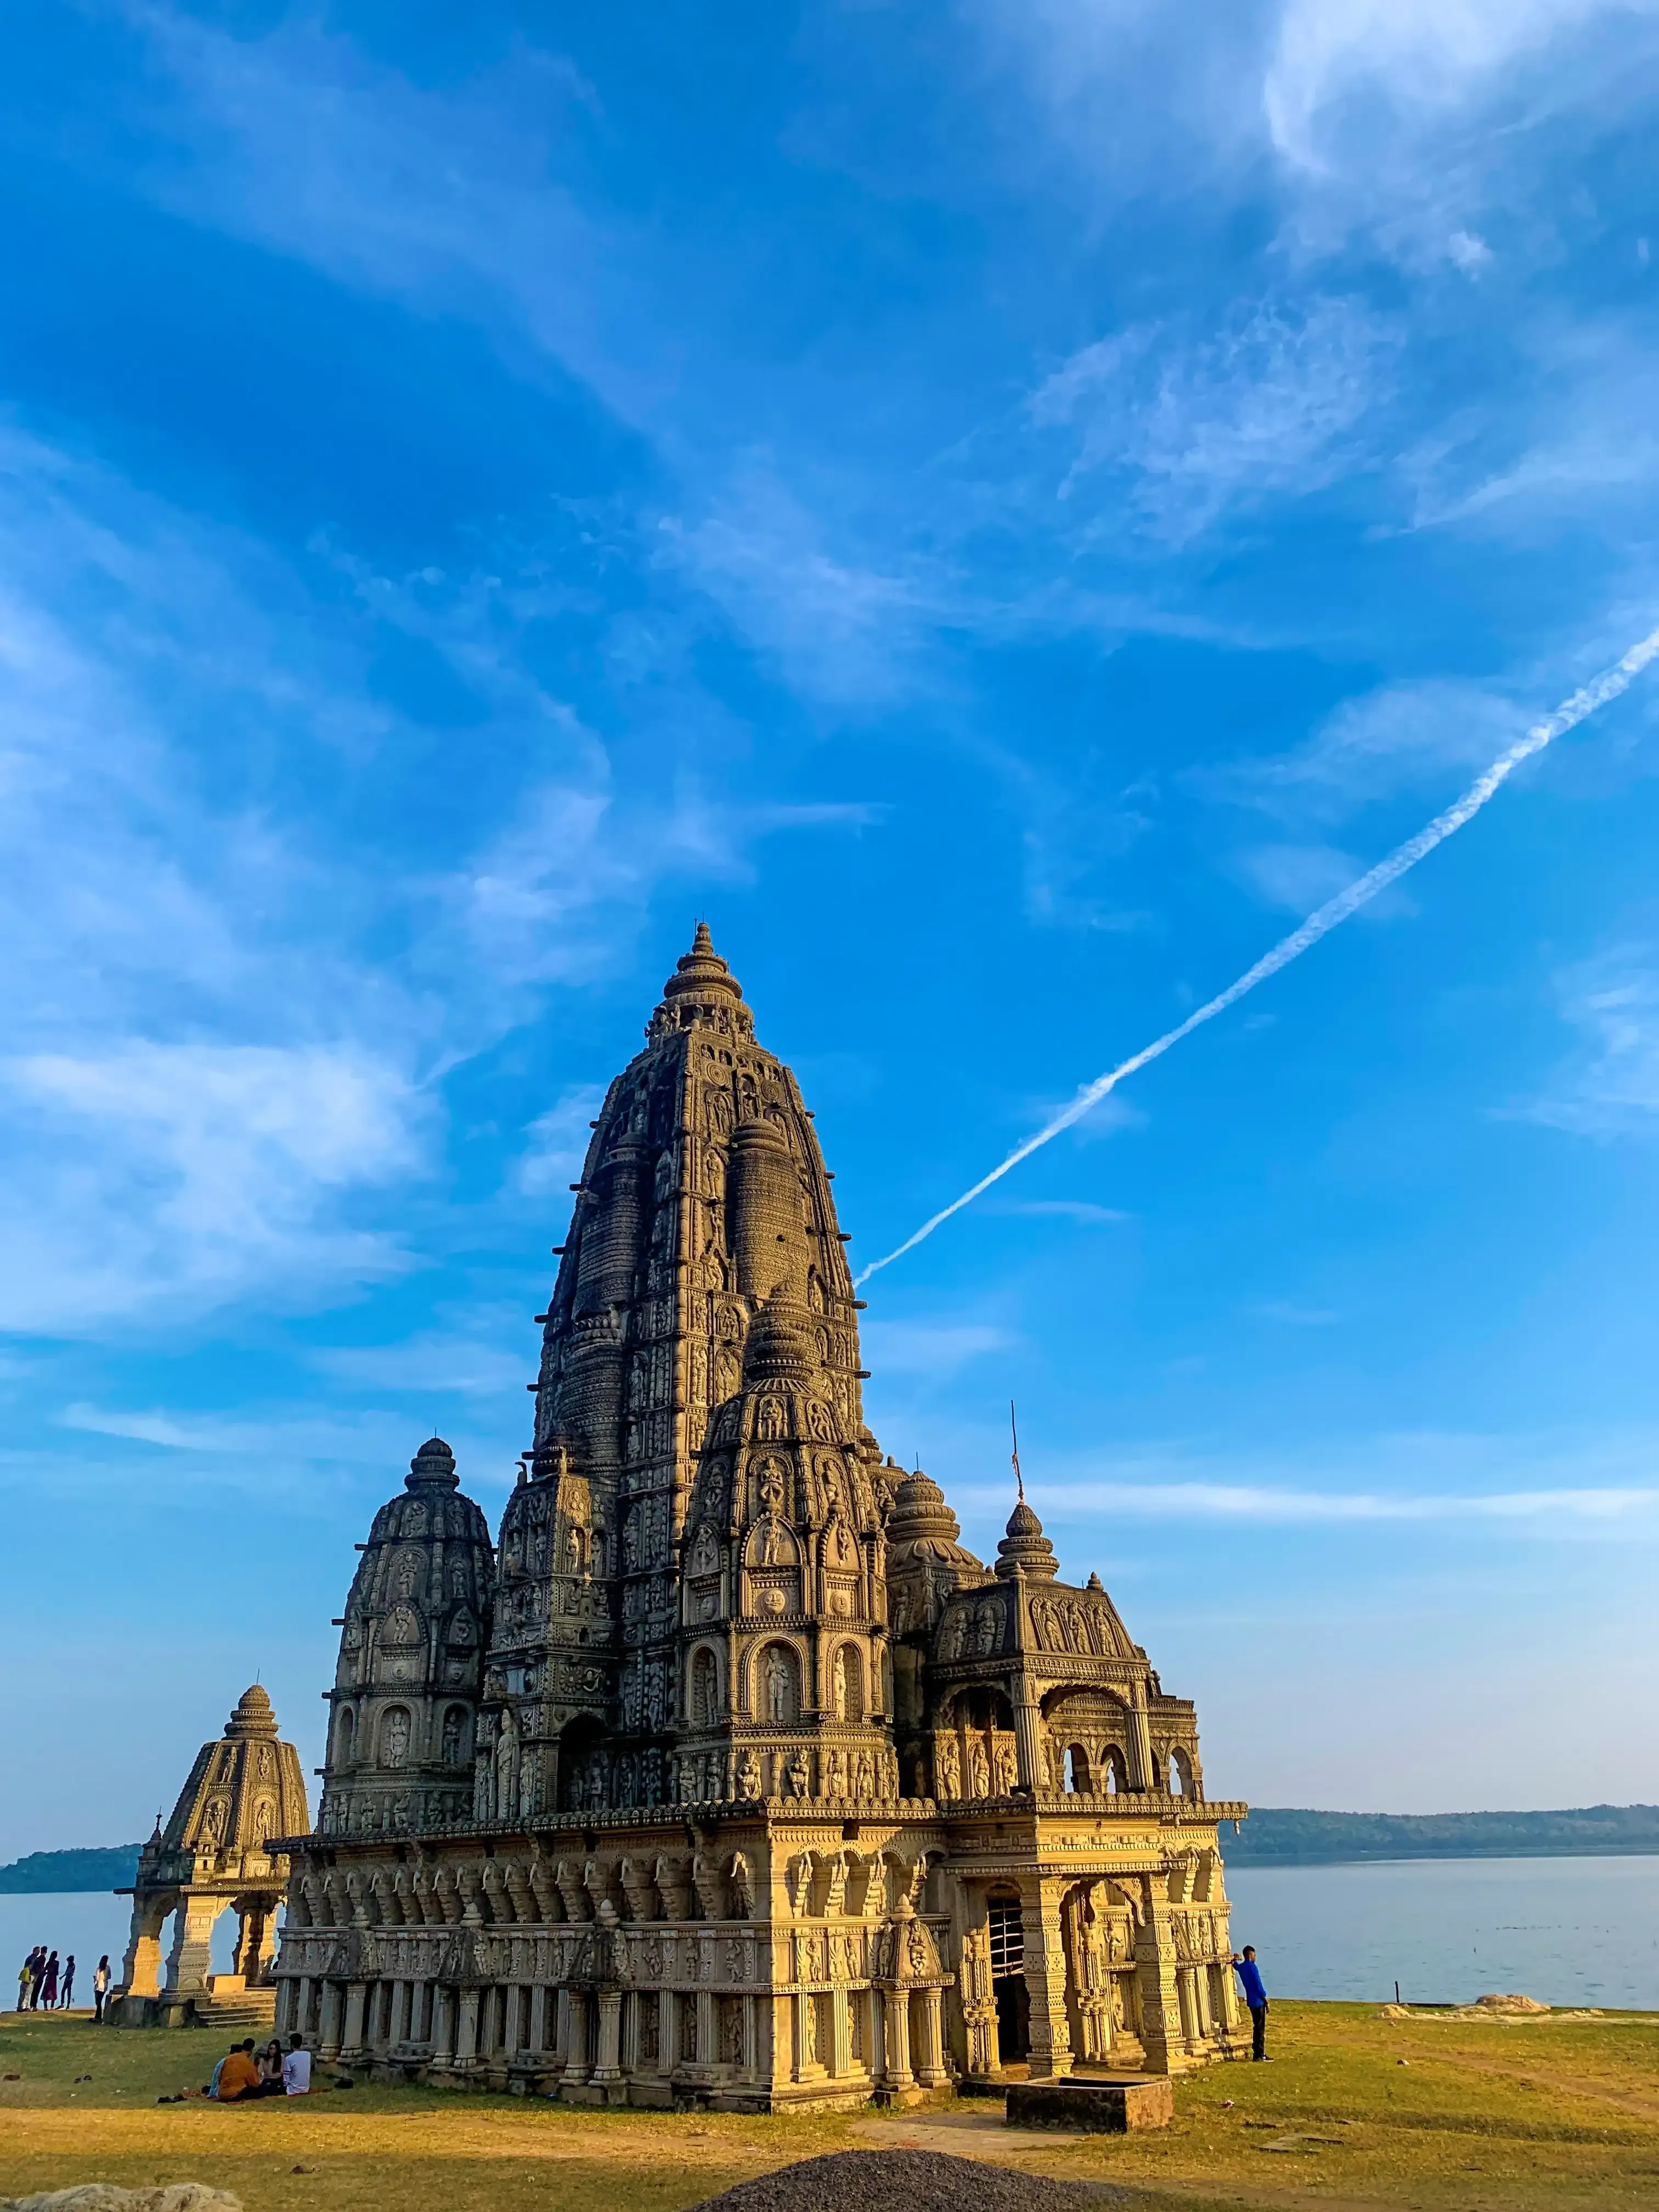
<point>728,1666</point>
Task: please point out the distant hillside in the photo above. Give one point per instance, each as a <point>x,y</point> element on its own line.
<point>1278,1836</point>
<point>43,1871</point>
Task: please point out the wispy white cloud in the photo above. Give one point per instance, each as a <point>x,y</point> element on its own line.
<point>1401,737</point>
<point>1190,425</point>
<point>465,1361</point>
<point>933,1349</point>
<point>448,199</point>
<point>558,1141</point>
<point>1610,1088</point>
<point>1202,1501</point>
<point>1082,1210</point>
<point>842,631</point>
<point>176,1176</point>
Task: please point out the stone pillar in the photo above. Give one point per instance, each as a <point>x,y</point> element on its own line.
<point>708,2038</point>
<point>1045,1980</point>
<point>191,1955</point>
<point>839,2057</point>
<point>443,2025</point>
<point>537,2036</point>
<point>512,2022</point>
<point>1028,1735</point>
<point>1154,1975</point>
<point>466,2027</point>
<point>668,2048</point>
<point>304,1994</point>
<point>1140,1740</point>
<point>284,2019</point>
<point>141,1971</point>
<point>933,2073</point>
<point>352,2040</point>
<point>1229,1998</point>
<point>575,2060</point>
<point>607,2061</point>
<point>402,1996</point>
<point>328,2025</point>
<point>896,2010</point>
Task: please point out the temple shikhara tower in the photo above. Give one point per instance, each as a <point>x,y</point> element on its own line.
<point>727,1774</point>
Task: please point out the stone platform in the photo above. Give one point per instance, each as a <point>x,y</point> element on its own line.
<point>1093,2107</point>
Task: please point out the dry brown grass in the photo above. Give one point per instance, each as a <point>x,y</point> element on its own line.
<point>1557,2114</point>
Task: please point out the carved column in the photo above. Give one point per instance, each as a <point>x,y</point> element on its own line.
<point>538,2019</point>
<point>328,2031</point>
<point>895,2007</point>
<point>1140,1740</point>
<point>141,1974</point>
<point>575,2062</point>
<point>466,2027</point>
<point>839,2057</point>
<point>1028,1735</point>
<point>192,1956</point>
<point>352,2040</point>
<point>1155,1974</point>
<point>1045,1980</point>
<point>608,2063</point>
<point>930,2070</point>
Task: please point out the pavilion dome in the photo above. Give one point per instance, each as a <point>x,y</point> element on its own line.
<point>1025,1549</point>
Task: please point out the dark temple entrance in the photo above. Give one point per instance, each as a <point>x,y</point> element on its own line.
<point>1008,1983</point>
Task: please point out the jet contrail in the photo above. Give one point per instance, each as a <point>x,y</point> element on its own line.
<point>1567,716</point>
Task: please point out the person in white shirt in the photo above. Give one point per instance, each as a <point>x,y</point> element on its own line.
<point>296,2068</point>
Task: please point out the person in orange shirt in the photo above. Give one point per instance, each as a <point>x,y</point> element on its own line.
<point>238,2074</point>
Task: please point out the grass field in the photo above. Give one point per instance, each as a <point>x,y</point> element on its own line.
<point>1545,2113</point>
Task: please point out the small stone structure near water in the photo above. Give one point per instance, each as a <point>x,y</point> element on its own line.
<point>219,1848</point>
<point>727,1774</point>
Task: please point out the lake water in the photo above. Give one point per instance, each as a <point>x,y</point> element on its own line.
<point>1571,1931</point>
<point>85,1922</point>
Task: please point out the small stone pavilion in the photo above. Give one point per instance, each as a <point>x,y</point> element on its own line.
<point>727,1774</point>
<point>218,1850</point>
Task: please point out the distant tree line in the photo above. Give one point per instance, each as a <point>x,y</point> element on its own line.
<point>1272,1836</point>
<point>1285,1836</point>
<point>43,1871</point>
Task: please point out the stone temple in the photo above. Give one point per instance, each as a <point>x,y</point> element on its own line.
<point>727,1774</point>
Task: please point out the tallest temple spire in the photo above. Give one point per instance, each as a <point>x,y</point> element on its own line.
<point>702,1245</point>
<point>701,989</point>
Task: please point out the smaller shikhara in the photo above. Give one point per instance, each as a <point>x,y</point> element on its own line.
<point>726,1773</point>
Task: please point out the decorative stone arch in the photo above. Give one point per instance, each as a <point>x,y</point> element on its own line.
<point>1181,1771</point>
<point>584,1765</point>
<point>849,1696</point>
<point>455,1743</point>
<point>344,1751</point>
<point>1076,1771</point>
<point>1113,1770</point>
<point>778,1675</point>
<point>394,1736</point>
<point>705,1697</point>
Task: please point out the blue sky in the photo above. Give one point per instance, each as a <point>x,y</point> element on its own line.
<point>1002,506</point>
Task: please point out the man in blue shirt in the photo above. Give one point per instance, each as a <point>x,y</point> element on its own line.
<point>1249,1976</point>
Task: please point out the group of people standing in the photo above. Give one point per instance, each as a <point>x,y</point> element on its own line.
<point>43,1986</point>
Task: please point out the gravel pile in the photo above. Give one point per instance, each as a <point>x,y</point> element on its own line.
<point>906,2181</point>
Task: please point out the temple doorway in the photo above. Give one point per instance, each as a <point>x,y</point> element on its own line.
<point>1014,2004</point>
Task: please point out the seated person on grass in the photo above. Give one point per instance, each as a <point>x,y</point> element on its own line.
<point>238,2076</point>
